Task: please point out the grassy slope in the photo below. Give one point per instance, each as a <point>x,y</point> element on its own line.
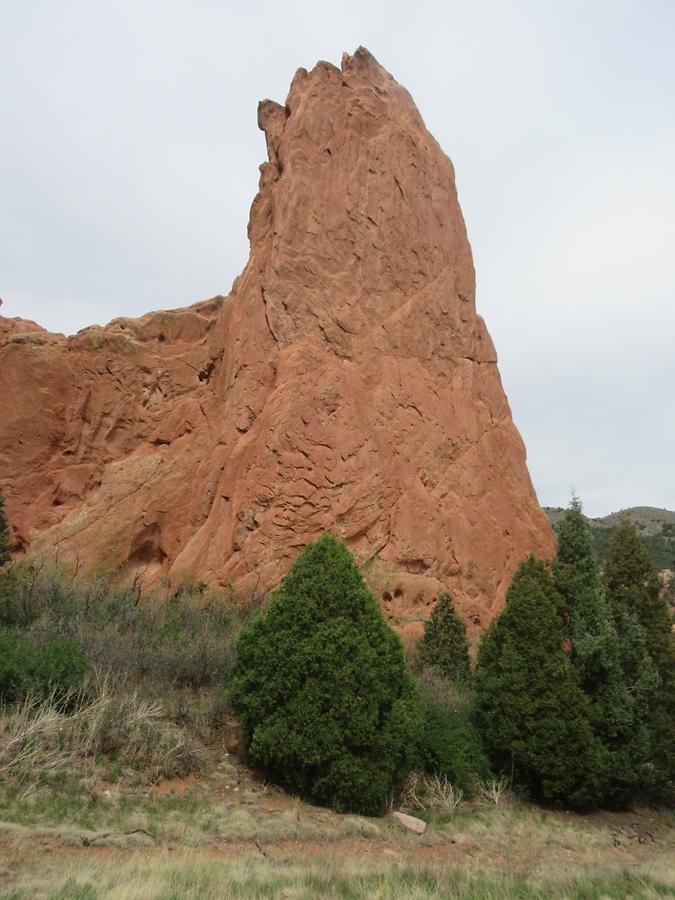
<point>74,825</point>
<point>230,835</point>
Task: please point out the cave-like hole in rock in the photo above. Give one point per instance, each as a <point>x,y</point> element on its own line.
<point>147,554</point>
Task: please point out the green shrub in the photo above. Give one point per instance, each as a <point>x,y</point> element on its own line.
<point>444,645</point>
<point>14,653</point>
<point>10,608</point>
<point>57,667</point>
<point>451,745</point>
<point>326,706</point>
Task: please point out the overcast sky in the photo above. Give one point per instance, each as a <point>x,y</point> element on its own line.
<point>129,154</point>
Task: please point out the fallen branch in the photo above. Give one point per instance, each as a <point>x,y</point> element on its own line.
<point>87,842</point>
<point>261,848</point>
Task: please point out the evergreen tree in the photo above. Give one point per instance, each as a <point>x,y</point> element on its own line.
<point>533,716</point>
<point>634,592</point>
<point>444,645</point>
<point>326,706</point>
<point>617,715</point>
<point>576,577</point>
<point>5,537</point>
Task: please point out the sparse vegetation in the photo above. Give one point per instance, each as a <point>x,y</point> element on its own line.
<point>95,676</point>
<point>430,792</point>
<point>94,339</point>
<point>496,790</point>
<point>41,744</point>
<point>162,642</point>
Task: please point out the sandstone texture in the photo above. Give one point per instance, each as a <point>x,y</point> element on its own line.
<point>346,383</point>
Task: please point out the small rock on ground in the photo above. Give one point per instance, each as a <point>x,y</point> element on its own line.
<point>410,822</point>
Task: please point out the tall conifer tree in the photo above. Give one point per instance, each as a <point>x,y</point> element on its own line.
<point>444,645</point>
<point>533,716</point>
<point>617,716</point>
<point>634,592</point>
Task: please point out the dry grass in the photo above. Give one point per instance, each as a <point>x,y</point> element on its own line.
<point>220,809</point>
<point>149,873</point>
<point>433,792</point>
<point>40,742</point>
<point>495,790</point>
<point>210,842</point>
<point>28,742</point>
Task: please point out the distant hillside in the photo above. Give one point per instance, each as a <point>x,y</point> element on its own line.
<point>657,527</point>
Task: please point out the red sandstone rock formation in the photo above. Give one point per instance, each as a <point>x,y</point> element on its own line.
<point>346,383</point>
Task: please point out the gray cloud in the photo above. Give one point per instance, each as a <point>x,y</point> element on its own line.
<point>129,161</point>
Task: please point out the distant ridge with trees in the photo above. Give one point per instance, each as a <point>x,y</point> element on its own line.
<point>655,526</point>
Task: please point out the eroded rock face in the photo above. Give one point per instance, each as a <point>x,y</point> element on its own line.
<point>346,383</point>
